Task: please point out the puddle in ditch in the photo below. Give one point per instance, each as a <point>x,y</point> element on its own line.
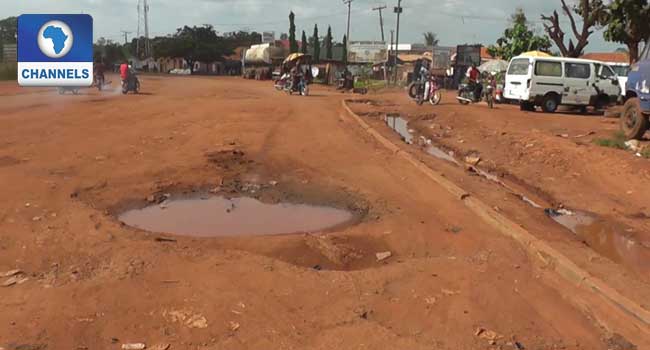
<point>400,125</point>
<point>608,238</point>
<point>242,216</point>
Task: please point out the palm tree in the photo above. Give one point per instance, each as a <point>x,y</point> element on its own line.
<point>431,39</point>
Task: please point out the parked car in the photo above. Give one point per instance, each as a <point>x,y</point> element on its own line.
<point>549,82</point>
<point>634,119</point>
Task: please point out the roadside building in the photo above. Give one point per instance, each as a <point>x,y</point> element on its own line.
<point>611,57</point>
<point>8,53</point>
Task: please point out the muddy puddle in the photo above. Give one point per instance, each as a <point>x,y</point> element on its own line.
<point>609,239</point>
<point>220,217</point>
<point>400,126</point>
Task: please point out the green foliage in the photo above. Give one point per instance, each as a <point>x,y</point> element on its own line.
<point>646,153</point>
<point>293,44</point>
<point>372,85</point>
<point>8,29</point>
<point>8,71</point>
<point>518,39</point>
<point>109,52</point>
<point>617,141</point>
<point>431,39</point>
<point>627,23</point>
<point>304,44</point>
<point>243,38</point>
<point>328,44</point>
<point>316,43</point>
<point>194,44</point>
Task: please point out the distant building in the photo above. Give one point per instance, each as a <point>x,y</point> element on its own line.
<point>367,52</point>
<point>8,53</point>
<point>611,57</point>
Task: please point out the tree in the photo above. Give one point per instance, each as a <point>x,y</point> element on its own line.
<point>8,30</point>
<point>316,43</point>
<point>293,44</point>
<point>627,23</point>
<point>243,38</point>
<point>345,49</point>
<point>194,44</point>
<point>304,44</point>
<point>109,52</point>
<point>592,13</point>
<point>518,39</point>
<point>328,44</point>
<point>431,39</point>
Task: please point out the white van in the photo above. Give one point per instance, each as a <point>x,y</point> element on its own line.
<point>622,70</point>
<point>552,81</point>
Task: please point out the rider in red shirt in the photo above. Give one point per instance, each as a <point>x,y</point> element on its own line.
<point>124,71</point>
<point>474,76</point>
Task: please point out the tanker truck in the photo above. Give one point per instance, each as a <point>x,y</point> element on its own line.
<point>260,61</point>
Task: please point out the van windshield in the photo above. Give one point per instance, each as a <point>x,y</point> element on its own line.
<point>519,67</point>
<point>621,71</point>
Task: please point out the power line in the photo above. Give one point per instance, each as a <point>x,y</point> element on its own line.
<point>126,35</point>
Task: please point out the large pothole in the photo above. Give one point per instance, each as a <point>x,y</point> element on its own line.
<point>221,216</point>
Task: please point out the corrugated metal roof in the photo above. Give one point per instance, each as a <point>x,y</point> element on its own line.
<point>615,57</point>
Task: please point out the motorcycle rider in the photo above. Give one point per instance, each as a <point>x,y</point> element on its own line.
<point>124,71</point>
<point>99,70</point>
<point>474,81</point>
<point>424,76</point>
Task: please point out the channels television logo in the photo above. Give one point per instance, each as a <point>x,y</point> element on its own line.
<point>55,50</point>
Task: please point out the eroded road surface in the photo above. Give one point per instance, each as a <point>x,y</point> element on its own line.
<point>71,166</point>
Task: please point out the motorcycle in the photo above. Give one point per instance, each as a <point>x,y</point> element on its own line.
<point>283,82</point>
<point>99,81</point>
<point>132,83</point>
<point>489,95</point>
<point>302,87</point>
<point>466,94</point>
<point>426,91</point>
<point>73,90</point>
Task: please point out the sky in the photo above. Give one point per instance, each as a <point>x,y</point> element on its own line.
<point>454,21</point>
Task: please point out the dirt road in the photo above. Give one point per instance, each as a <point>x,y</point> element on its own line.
<point>70,165</point>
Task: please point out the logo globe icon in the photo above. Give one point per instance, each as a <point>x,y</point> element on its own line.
<point>55,39</point>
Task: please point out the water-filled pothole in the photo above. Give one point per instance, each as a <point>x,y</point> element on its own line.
<point>610,239</point>
<point>242,216</point>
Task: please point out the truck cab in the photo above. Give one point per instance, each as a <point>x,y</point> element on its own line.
<point>634,119</point>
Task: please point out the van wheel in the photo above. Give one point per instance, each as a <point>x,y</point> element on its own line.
<point>550,103</point>
<point>633,122</point>
<point>527,106</point>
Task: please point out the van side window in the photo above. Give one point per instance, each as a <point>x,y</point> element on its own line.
<point>578,70</point>
<point>548,69</point>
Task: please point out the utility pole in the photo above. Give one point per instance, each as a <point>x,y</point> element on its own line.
<point>397,10</point>
<point>349,3</point>
<point>381,21</point>
<point>147,44</point>
<point>126,36</point>
<point>390,52</point>
<point>137,47</point>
